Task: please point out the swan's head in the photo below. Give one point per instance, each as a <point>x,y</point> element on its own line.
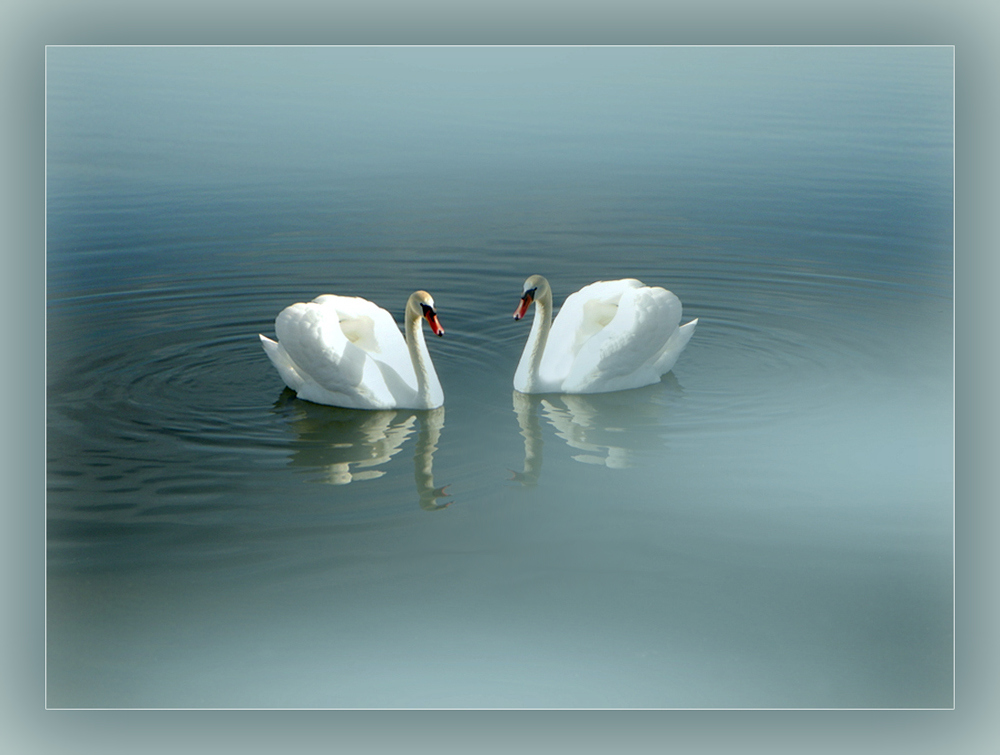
<point>536,287</point>
<point>421,304</point>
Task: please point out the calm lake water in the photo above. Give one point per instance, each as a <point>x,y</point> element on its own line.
<point>769,526</point>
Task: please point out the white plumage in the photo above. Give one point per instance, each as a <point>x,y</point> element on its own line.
<point>347,351</point>
<point>608,336</point>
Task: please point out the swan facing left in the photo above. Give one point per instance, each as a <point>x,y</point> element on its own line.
<point>608,336</point>
<point>347,351</point>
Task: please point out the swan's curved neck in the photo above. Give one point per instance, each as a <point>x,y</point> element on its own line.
<point>526,379</point>
<point>419,356</point>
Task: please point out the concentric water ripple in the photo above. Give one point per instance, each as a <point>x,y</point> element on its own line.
<point>175,423</point>
<point>171,403</point>
<point>768,525</point>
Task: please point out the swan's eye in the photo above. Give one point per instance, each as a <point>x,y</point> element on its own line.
<point>426,309</point>
<point>529,295</point>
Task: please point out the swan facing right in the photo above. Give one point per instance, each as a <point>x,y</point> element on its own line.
<point>346,351</point>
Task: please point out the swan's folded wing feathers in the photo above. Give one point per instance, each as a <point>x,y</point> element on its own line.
<point>576,325</point>
<point>310,334</point>
<point>375,323</point>
<point>372,329</point>
<point>626,349</point>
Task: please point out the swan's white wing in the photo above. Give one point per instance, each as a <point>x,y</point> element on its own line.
<point>625,352</point>
<point>326,360</point>
<point>372,329</point>
<point>583,315</point>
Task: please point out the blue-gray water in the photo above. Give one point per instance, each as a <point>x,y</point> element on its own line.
<point>770,526</point>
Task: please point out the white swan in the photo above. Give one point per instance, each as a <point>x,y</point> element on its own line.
<point>347,351</point>
<point>609,336</point>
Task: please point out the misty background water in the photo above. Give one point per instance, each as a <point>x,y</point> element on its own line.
<point>770,526</point>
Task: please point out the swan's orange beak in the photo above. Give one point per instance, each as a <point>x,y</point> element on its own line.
<point>522,308</point>
<point>432,319</point>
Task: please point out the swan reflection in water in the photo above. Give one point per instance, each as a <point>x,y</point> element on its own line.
<point>609,429</point>
<point>350,445</point>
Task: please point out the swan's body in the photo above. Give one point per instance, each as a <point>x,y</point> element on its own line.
<point>608,336</point>
<point>347,351</point>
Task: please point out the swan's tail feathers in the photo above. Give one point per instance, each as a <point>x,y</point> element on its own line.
<point>674,346</point>
<point>274,352</point>
<point>686,330</point>
<point>282,363</point>
<point>682,335</point>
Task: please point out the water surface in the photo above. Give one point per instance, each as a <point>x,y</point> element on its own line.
<point>769,526</point>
